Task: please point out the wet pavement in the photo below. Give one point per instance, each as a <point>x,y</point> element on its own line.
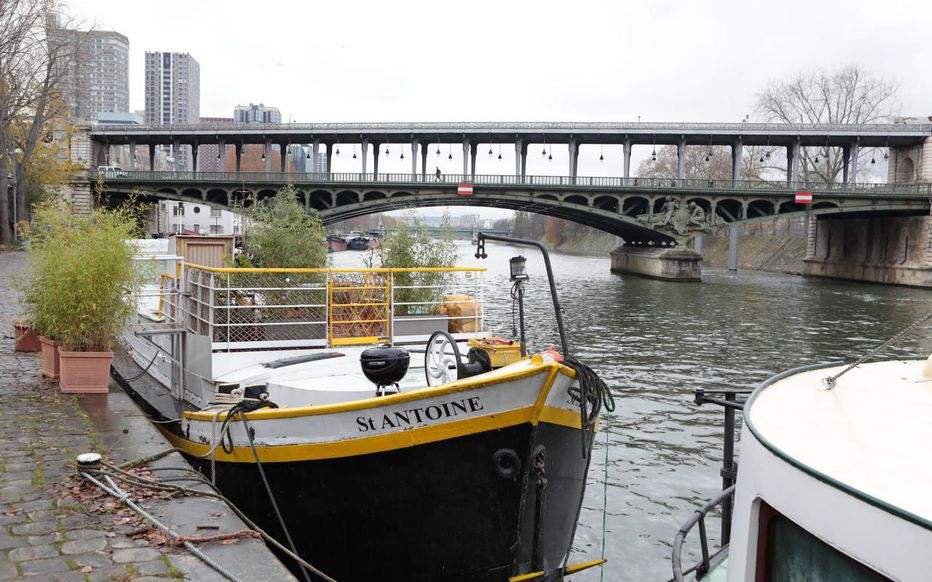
<point>53,529</point>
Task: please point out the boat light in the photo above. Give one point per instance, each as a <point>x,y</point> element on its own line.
<point>518,267</point>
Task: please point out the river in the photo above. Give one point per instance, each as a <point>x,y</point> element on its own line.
<point>654,343</point>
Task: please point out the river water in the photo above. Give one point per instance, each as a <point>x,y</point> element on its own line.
<point>654,343</point>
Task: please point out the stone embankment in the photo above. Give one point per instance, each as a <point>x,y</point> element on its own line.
<point>775,253</point>
<point>54,526</point>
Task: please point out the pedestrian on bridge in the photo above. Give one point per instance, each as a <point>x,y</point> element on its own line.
<point>439,175</point>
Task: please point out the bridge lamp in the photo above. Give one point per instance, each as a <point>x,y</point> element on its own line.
<point>816,159</point>
<point>386,151</point>
<point>338,151</point>
<point>263,155</point>
<point>653,154</point>
<point>543,152</point>
<point>402,153</point>
<point>308,154</point>
<point>490,149</point>
<point>873,161</point>
<point>886,155</point>
<point>550,157</point>
<point>601,152</point>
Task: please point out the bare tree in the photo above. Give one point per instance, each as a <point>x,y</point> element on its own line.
<point>33,62</point>
<point>702,162</point>
<point>846,96</point>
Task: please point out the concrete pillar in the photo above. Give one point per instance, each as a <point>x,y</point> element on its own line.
<point>239,156</point>
<point>855,154</point>
<point>194,158</point>
<point>736,153</point>
<point>414,158</point>
<point>375,159</point>
<point>283,153</point>
<point>627,156</point>
<point>466,149</point>
<point>733,248</point>
<point>792,163</point>
<point>846,163</point>
<point>473,154</point>
<point>315,147</point>
<point>365,155</point>
<point>152,158</point>
<point>681,158</point>
<point>574,157</point>
<point>329,158</point>
<point>697,244</point>
<point>132,156</point>
<point>268,155</point>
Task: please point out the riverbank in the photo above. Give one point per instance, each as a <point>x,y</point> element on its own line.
<point>54,526</point>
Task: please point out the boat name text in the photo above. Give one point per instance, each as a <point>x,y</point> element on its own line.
<point>418,415</point>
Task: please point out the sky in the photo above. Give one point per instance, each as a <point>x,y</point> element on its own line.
<point>653,60</point>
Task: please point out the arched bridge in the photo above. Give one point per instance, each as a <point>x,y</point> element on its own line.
<point>649,211</point>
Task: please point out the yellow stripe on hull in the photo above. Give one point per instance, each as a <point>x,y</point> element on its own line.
<point>380,443</point>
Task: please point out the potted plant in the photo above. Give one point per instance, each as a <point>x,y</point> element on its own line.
<point>81,290</point>
<point>26,339</point>
<point>417,295</point>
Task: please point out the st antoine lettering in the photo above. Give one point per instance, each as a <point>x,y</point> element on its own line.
<point>414,416</point>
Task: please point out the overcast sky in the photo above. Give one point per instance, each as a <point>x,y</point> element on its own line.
<point>517,61</point>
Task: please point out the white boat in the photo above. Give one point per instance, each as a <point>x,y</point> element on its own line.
<point>835,481</point>
<point>438,455</point>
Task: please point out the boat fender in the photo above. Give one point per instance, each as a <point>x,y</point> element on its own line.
<point>506,463</point>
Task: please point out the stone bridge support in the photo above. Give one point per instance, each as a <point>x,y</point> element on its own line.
<point>895,250</point>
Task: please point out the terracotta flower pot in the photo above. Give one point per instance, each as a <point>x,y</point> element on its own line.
<point>85,372</point>
<point>27,340</point>
<point>48,365</point>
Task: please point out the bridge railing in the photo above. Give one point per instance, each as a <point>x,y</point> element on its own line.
<point>597,182</point>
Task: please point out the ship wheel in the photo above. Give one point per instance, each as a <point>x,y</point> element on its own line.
<point>441,359</point>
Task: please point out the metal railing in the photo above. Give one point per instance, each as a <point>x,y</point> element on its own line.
<point>698,516</point>
<point>265,308</point>
<point>596,182</point>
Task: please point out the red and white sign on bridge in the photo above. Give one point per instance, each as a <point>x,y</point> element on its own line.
<point>464,189</point>
<point>804,198</point>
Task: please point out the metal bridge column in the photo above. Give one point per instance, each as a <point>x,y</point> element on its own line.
<point>221,154</point>
<point>846,162</point>
<point>627,156</point>
<point>574,157</point>
<point>733,248</point>
<point>132,156</point>
<point>736,152</point>
<point>375,159</point>
<point>681,158</point>
<point>315,148</point>
<point>792,163</point>
<point>329,158</point>
<point>414,158</point>
<point>239,155</point>
<point>267,155</point>
<point>473,154</point>
<point>855,154</point>
<point>194,157</point>
<point>520,158</point>
<point>152,157</point>
<point>365,155</point>
<point>466,146</point>
<point>282,153</point>
<point>425,149</point>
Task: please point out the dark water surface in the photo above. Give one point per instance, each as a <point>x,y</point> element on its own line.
<point>656,342</point>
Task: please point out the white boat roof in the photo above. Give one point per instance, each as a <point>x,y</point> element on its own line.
<point>871,435</point>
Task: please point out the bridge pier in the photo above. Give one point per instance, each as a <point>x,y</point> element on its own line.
<point>665,263</point>
<point>896,250</point>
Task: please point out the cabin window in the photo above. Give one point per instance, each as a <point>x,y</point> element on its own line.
<point>789,553</point>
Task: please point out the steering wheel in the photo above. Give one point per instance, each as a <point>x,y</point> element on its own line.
<point>441,359</point>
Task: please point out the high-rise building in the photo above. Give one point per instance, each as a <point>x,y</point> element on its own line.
<point>253,113</point>
<point>93,70</point>
<point>173,95</point>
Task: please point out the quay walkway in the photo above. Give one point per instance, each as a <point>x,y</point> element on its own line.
<point>49,529</point>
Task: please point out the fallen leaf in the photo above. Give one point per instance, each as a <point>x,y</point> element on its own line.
<point>228,542</point>
<point>87,569</point>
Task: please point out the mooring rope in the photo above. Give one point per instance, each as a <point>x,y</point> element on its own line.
<point>830,381</point>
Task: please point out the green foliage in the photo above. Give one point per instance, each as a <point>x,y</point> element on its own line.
<point>281,234</point>
<point>412,247</point>
<point>83,276</point>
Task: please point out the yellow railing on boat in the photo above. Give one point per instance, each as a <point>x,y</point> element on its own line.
<point>250,308</point>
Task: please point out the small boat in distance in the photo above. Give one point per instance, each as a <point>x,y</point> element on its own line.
<point>336,243</point>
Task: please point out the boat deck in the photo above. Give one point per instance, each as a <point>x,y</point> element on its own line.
<point>869,435</point>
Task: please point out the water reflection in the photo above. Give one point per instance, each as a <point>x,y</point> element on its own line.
<point>656,342</point>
